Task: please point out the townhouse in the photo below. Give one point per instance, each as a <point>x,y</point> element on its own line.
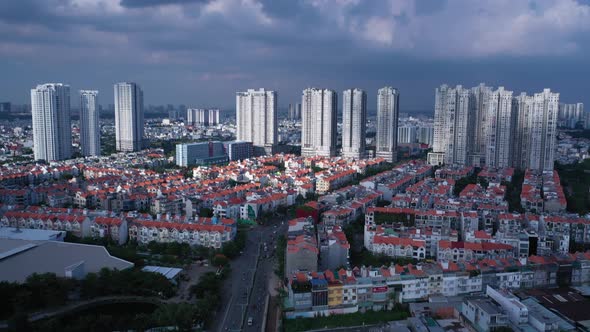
<point>206,232</point>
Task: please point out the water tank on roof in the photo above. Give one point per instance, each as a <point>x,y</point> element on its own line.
<point>214,220</point>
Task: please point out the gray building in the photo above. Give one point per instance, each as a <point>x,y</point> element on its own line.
<point>238,150</point>
<point>204,153</point>
<point>334,249</point>
<point>387,121</point>
<point>89,126</point>
<point>21,258</point>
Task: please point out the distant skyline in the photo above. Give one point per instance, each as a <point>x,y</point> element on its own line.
<point>201,52</point>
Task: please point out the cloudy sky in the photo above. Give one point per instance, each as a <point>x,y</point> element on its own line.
<point>200,52</point>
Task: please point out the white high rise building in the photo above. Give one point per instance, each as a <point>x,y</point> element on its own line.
<point>354,123</point>
<point>128,117</point>
<point>524,106</point>
<point>387,119</point>
<point>256,119</point>
<point>452,133</point>
<point>319,114</point>
<point>89,126</point>
<point>571,115</point>
<point>499,128</point>
<point>407,134</point>
<point>490,128</point>
<point>52,131</point>
<point>425,135</point>
<point>202,117</point>
<point>541,123</point>
<point>480,99</point>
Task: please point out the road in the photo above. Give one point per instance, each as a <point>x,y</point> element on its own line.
<point>246,288</point>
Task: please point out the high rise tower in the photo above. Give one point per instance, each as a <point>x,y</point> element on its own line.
<point>89,126</point>
<point>52,132</point>
<point>256,119</point>
<point>319,114</point>
<point>354,123</point>
<point>128,117</point>
<point>387,119</point>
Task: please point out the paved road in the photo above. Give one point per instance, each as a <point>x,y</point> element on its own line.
<point>246,288</point>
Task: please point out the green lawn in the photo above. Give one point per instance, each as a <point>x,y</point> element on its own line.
<point>356,319</point>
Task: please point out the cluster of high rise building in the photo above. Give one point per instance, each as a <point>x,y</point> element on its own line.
<point>495,128</point>
<point>256,121</point>
<point>572,115</point>
<point>202,117</point>
<point>52,132</point>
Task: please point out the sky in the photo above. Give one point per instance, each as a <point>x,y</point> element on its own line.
<point>200,52</point>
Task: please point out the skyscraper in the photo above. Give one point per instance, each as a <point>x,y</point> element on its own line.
<point>202,117</point>
<point>128,117</point>
<point>523,105</point>
<point>89,126</point>
<point>480,99</point>
<point>537,130</point>
<point>354,123</point>
<point>543,130</point>
<point>256,119</point>
<point>319,114</point>
<point>52,132</point>
<point>499,129</point>
<point>294,111</point>
<point>387,117</point>
<point>452,133</point>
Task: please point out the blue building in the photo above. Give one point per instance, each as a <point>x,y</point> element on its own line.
<point>205,153</point>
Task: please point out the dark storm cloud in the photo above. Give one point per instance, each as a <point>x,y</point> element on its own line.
<point>202,51</point>
<point>152,3</point>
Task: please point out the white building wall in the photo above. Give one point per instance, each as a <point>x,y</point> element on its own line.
<point>256,117</point>
<point>319,119</point>
<point>129,125</point>
<point>354,121</point>
<point>387,122</point>
<point>89,123</point>
<point>52,132</point>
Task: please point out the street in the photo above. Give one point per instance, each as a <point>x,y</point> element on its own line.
<point>246,289</point>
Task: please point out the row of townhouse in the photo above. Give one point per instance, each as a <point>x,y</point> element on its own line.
<point>207,232</point>
<point>542,192</point>
<point>77,222</point>
<point>328,183</point>
<point>35,174</point>
<point>333,292</point>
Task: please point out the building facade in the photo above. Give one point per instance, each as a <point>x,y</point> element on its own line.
<point>204,153</point>
<point>89,125</point>
<point>128,116</point>
<point>256,119</point>
<point>499,125</point>
<point>238,150</point>
<point>319,122</point>
<point>482,127</point>
<point>202,117</point>
<point>354,123</point>
<point>387,119</point>
<point>52,132</point>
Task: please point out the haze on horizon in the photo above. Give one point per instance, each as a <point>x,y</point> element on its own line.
<point>200,52</point>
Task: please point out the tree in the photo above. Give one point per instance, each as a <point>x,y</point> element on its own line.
<point>219,260</point>
<point>205,212</point>
<point>181,315</point>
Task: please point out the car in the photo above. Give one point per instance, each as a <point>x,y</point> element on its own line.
<point>250,321</point>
